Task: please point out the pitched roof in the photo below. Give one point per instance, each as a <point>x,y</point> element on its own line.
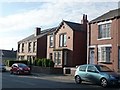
<point>74,26</point>
<point>33,37</point>
<point>9,53</point>
<point>107,16</point>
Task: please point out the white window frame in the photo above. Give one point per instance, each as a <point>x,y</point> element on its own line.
<point>51,41</point>
<point>57,58</point>
<point>63,40</point>
<point>100,51</point>
<point>101,23</point>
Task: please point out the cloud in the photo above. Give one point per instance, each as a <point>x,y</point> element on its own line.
<point>47,15</point>
<point>59,0</point>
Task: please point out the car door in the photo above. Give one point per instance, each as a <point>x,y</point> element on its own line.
<point>82,71</point>
<point>92,74</point>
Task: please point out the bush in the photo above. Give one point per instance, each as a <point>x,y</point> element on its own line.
<point>44,62</point>
<point>35,62</point>
<point>51,63</point>
<point>39,62</point>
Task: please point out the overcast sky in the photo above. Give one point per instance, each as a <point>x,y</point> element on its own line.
<point>19,19</point>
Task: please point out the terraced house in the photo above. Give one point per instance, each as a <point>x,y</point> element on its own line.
<point>34,46</point>
<point>67,45</point>
<point>104,40</point>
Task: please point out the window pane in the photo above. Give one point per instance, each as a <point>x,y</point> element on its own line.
<point>104,30</point>
<point>104,54</point>
<point>51,41</point>
<point>55,61</point>
<point>82,68</point>
<point>59,58</point>
<point>64,39</point>
<point>108,49</point>
<point>61,40</point>
<point>91,69</point>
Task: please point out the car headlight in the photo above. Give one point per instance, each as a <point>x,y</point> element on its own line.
<point>111,76</point>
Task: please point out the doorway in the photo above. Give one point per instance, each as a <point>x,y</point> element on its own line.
<point>92,54</point>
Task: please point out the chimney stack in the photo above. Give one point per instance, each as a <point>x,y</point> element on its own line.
<point>38,31</point>
<point>84,20</point>
<point>12,49</point>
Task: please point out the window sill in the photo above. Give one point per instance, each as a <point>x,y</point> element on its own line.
<point>105,38</point>
<point>51,46</point>
<point>63,46</point>
<point>105,62</point>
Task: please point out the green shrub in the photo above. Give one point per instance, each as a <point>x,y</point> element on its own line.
<point>44,62</point>
<point>35,61</point>
<point>39,62</point>
<point>51,63</point>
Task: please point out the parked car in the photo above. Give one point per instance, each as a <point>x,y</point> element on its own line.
<point>20,68</point>
<point>2,67</point>
<point>98,74</point>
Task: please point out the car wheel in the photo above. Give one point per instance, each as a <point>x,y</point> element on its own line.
<point>104,82</point>
<point>78,79</point>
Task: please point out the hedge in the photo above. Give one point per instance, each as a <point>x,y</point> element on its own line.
<point>44,62</point>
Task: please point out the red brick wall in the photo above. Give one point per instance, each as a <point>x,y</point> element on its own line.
<point>80,48</point>
<point>42,47</point>
<point>114,41</point>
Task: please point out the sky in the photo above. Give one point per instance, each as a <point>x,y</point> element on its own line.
<point>19,18</point>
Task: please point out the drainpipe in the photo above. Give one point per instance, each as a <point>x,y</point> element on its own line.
<point>88,40</point>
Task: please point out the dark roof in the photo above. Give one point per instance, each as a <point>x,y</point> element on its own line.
<point>107,16</point>
<point>33,37</point>
<point>9,53</point>
<point>74,26</point>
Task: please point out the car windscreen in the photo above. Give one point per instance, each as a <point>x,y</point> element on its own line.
<point>103,68</point>
<point>22,65</point>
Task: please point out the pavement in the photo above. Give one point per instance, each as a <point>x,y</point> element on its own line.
<point>55,76</point>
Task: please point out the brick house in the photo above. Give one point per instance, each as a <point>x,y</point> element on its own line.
<point>104,40</point>
<point>34,46</point>
<point>67,45</point>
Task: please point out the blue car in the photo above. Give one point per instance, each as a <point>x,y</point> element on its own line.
<point>98,74</point>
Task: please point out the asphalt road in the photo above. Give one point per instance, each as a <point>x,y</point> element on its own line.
<point>50,82</point>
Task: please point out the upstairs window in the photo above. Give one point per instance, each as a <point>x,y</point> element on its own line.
<point>18,47</point>
<point>51,41</point>
<point>104,30</point>
<point>34,46</point>
<point>62,40</point>
<point>29,47</point>
<point>22,47</point>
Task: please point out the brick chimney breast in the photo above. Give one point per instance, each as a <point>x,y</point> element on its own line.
<point>38,31</point>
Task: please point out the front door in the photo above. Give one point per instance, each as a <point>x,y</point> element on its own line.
<point>92,56</point>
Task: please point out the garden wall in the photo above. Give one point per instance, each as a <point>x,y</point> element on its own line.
<point>47,70</point>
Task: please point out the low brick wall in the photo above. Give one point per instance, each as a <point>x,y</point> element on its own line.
<point>47,70</point>
<point>69,70</point>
